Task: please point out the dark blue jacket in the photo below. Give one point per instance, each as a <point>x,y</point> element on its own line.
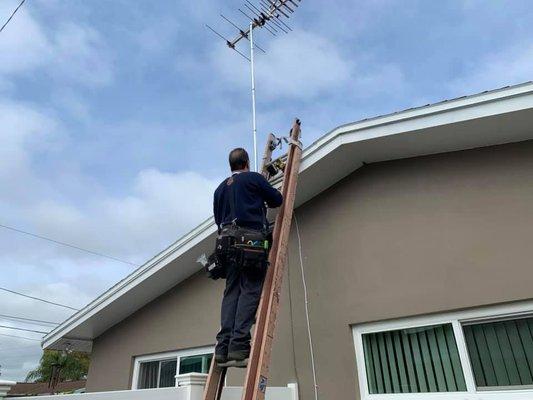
<point>251,191</point>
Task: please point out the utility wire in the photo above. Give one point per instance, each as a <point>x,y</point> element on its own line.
<point>19,337</point>
<point>22,329</point>
<point>12,15</point>
<point>38,299</point>
<point>29,320</point>
<point>94,253</point>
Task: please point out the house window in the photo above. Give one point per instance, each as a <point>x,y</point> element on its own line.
<point>456,355</point>
<point>157,374</point>
<point>200,363</point>
<point>417,360</point>
<point>160,370</point>
<point>501,353</point>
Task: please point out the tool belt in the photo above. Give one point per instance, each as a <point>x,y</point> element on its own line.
<point>245,248</point>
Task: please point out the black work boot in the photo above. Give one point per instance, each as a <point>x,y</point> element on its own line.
<point>239,358</point>
<point>221,358</point>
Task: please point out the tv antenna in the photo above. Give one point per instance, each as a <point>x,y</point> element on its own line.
<point>269,15</point>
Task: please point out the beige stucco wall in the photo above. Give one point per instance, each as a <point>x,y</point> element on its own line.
<point>393,239</point>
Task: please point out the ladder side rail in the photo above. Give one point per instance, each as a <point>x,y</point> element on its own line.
<point>267,285</point>
<point>261,376</point>
<point>257,373</point>
<point>274,299</point>
<point>215,382</point>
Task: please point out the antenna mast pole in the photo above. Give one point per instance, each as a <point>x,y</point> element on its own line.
<point>268,14</point>
<point>254,126</point>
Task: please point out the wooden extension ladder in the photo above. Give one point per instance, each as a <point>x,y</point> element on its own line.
<point>257,371</point>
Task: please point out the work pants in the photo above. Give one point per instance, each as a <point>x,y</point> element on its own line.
<point>239,305</point>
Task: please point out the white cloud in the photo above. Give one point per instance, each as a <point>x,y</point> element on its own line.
<point>80,55</point>
<point>19,127</point>
<point>157,209</point>
<point>507,67</point>
<point>18,356</point>
<point>158,37</point>
<point>70,53</point>
<point>305,65</point>
<point>23,130</point>
<point>319,66</point>
<point>72,103</point>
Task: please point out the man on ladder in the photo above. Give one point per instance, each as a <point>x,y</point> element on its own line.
<point>241,254</point>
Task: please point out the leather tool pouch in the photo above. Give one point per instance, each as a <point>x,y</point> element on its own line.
<point>223,255</point>
<point>246,248</point>
<point>214,269</point>
<point>251,249</point>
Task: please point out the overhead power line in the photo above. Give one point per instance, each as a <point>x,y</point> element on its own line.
<point>19,337</point>
<point>22,329</point>
<point>29,320</point>
<point>94,253</point>
<point>12,15</point>
<point>38,299</point>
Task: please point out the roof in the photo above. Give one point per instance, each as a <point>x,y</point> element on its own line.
<point>494,117</point>
<point>41,388</point>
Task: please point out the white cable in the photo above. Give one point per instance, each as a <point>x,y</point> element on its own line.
<point>311,349</point>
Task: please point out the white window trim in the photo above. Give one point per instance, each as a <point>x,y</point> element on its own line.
<point>457,319</point>
<point>171,355</point>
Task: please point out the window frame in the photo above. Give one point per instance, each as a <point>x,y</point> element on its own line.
<point>166,356</point>
<point>457,319</point>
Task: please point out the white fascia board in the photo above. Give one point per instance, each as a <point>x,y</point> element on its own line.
<point>485,104</point>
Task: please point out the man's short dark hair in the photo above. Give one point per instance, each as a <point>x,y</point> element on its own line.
<point>238,159</point>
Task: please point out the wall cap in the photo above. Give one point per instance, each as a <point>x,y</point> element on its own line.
<point>191,379</point>
<point>5,387</point>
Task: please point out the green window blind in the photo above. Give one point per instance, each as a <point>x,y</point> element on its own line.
<point>413,361</point>
<point>501,353</point>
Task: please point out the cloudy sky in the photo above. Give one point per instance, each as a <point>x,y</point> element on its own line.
<point>116,117</point>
